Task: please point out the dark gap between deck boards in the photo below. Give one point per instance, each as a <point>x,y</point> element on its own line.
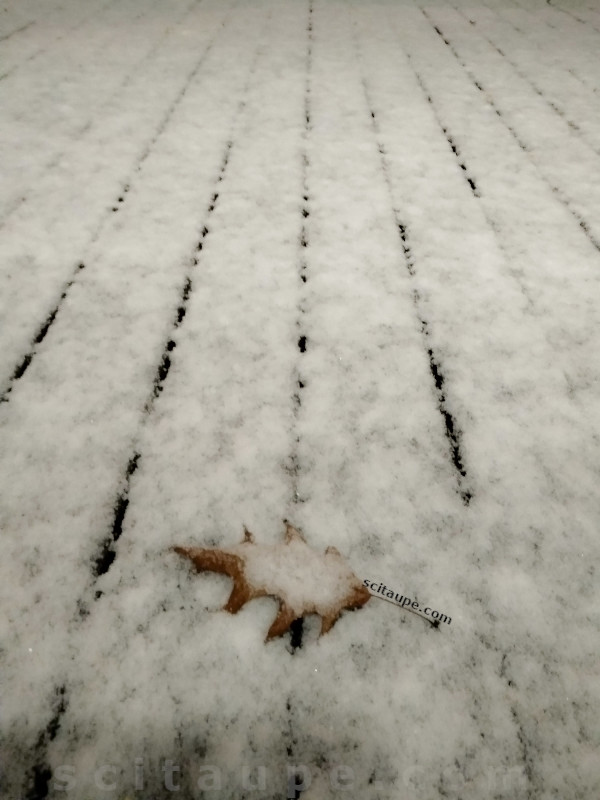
<point>524,77</point>
<point>525,747</point>
<point>296,631</point>
<point>452,430</point>
<point>25,362</point>
<point>582,222</point>
<point>61,36</point>
<point>56,160</point>
<point>158,131</point>
<point>297,627</point>
<point>106,556</point>
<point>571,14</point>
<point>461,163</point>
<point>16,31</point>
<point>27,359</point>
<point>116,206</point>
<point>41,773</point>
<point>449,138</point>
<point>295,782</point>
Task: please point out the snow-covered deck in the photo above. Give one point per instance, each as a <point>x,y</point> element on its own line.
<point>334,262</point>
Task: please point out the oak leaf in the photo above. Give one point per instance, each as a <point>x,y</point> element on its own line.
<point>301,579</point>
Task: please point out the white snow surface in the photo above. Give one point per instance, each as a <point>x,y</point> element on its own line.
<point>331,261</point>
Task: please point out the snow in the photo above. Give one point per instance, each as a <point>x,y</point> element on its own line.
<point>317,260</point>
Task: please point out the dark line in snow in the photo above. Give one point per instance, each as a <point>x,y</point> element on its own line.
<point>293,467</point>
<point>456,151</point>
<point>164,366</point>
<point>583,224</point>
<point>17,30</point>
<point>296,781</point>
<point>525,750</point>
<point>56,160</point>
<point>179,97</point>
<point>61,36</point>
<point>449,138</point>
<point>557,110</point>
<point>452,430</point>
<point>296,631</point>
<point>41,773</point>
<point>25,362</point>
<point>490,221</point>
<point>164,122</point>
<point>107,554</point>
<point>523,32</point>
<point>573,16</point>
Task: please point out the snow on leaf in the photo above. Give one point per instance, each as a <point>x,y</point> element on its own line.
<point>301,579</point>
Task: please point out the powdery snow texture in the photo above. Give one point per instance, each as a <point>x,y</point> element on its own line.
<point>319,260</point>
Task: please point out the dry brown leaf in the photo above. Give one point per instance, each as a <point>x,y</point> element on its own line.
<point>301,579</point>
